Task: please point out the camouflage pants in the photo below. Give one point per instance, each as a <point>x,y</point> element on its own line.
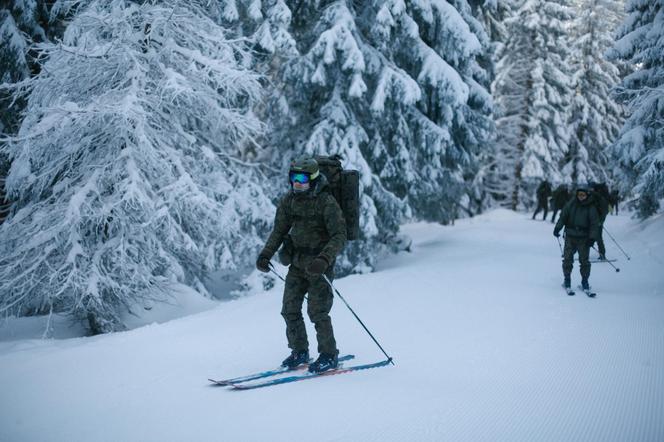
<point>319,305</point>
<point>573,245</point>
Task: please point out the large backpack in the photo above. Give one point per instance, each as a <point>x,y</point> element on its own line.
<point>345,187</point>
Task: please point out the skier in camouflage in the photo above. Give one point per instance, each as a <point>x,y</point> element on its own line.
<point>311,221</point>
<point>580,219</point>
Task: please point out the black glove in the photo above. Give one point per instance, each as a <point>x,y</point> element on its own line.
<point>317,266</point>
<point>591,243</point>
<point>556,233</point>
<point>263,263</point>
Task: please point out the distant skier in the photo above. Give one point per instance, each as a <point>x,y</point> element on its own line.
<point>601,198</point>
<point>614,200</point>
<point>310,219</point>
<point>581,222</point>
<point>543,194</point>
<point>559,198</point>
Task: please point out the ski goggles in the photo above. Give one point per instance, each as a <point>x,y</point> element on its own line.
<point>299,177</point>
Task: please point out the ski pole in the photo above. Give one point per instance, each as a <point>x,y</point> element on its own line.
<point>617,269</point>
<point>389,358</point>
<point>275,272</point>
<point>614,240</point>
<point>560,246</point>
<point>282,278</point>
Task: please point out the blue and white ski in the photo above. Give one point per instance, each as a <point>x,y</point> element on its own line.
<point>268,373</point>
<point>289,379</point>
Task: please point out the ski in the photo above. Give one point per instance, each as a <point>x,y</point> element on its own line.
<point>568,290</point>
<point>268,373</point>
<point>289,379</point>
<point>588,292</point>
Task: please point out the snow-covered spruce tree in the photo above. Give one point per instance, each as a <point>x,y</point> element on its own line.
<point>21,24</point>
<point>265,26</point>
<point>532,95</point>
<point>394,87</point>
<point>639,150</point>
<point>476,67</point>
<point>314,111</point>
<point>17,22</point>
<point>264,22</point>
<point>128,168</point>
<point>493,15</point>
<point>595,118</point>
<point>13,50</point>
<point>429,105</point>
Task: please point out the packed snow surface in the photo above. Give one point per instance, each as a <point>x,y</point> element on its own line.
<point>486,343</point>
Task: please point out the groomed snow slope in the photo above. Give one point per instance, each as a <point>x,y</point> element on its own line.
<point>487,347</point>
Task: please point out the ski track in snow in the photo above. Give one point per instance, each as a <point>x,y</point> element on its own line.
<point>487,346</point>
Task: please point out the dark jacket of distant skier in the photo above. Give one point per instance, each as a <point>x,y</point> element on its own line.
<point>614,200</point>
<point>580,219</point>
<point>311,224</point>
<point>559,198</point>
<point>601,197</point>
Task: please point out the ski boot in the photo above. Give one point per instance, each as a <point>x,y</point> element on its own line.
<point>296,358</point>
<point>584,285</point>
<point>567,283</point>
<point>324,362</point>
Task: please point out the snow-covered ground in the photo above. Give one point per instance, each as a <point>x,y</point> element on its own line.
<point>487,347</point>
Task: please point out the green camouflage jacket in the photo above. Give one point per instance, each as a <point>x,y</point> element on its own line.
<point>580,219</point>
<point>314,222</point>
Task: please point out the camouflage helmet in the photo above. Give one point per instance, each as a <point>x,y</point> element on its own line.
<point>306,165</point>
